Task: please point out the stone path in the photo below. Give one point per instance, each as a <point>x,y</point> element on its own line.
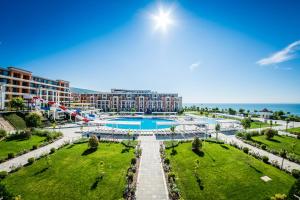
<point>151,182</point>
<point>69,135</point>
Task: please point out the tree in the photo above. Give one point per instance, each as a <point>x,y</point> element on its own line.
<point>231,111</point>
<point>287,123</point>
<point>54,125</point>
<point>17,103</point>
<point>246,123</point>
<point>33,120</point>
<point>217,129</point>
<point>197,145</point>
<point>93,142</point>
<point>129,136</point>
<point>283,154</point>
<point>270,133</point>
<point>241,111</point>
<point>101,170</point>
<point>271,123</point>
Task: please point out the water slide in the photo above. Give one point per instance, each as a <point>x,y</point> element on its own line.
<point>65,109</point>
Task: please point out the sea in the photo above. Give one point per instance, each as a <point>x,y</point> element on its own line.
<point>292,108</point>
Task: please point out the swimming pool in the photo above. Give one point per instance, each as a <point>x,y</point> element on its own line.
<point>146,123</point>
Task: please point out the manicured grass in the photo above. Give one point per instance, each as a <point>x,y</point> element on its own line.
<point>17,121</point>
<point>17,145</point>
<point>294,130</point>
<point>257,124</point>
<point>226,173</point>
<point>72,174</point>
<point>278,142</point>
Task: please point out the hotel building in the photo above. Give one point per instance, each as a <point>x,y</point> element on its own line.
<point>15,82</point>
<point>119,100</point>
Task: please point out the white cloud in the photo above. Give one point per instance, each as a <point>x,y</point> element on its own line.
<point>283,55</point>
<point>194,66</point>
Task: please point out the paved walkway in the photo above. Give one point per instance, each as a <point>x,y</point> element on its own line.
<point>151,182</point>
<point>288,165</point>
<point>69,135</point>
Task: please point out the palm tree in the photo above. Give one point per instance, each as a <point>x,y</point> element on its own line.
<point>172,129</point>
<point>128,135</point>
<point>53,125</point>
<point>283,155</point>
<point>287,123</point>
<point>217,129</point>
<point>271,123</point>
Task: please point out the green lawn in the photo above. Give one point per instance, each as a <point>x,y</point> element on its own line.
<point>294,130</point>
<point>17,121</point>
<point>257,124</point>
<point>17,145</point>
<point>279,142</point>
<point>226,173</point>
<point>72,175</point>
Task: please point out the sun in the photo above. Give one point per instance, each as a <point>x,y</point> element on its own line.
<point>163,20</point>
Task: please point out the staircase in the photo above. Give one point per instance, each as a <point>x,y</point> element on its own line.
<point>6,125</point>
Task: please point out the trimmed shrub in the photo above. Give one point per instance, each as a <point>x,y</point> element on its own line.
<point>3,174</point>
<point>246,149</point>
<point>4,194</point>
<point>52,150</point>
<point>133,161</point>
<point>130,177</point>
<point>31,160</point>
<point>196,144</point>
<point>34,146</point>
<point>2,133</point>
<point>167,161</point>
<point>264,147</point>
<point>265,159</point>
<point>296,173</point>
<point>10,155</point>
<point>33,120</point>
<point>25,134</point>
<point>50,136</point>
<point>93,142</point>
<point>270,133</point>
<point>248,136</point>
<point>239,134</point>
<point>295,190</point>
<point>171,176</point>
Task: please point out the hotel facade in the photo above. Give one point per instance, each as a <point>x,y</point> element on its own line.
<point>15,82</point>
<point>120,100</point>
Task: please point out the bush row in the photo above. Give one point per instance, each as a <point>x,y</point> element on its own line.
<point>246,137</point>
<point>265,159</point>
<point>131,176</point>
<point>174,192</point>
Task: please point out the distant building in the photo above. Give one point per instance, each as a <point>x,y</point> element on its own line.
<point>15,82</point>
<point>118,100</point>
<point>265,113</point>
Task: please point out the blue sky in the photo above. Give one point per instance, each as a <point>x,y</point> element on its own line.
<point>215,51</point>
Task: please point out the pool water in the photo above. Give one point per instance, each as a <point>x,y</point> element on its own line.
<point>146,123</point>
